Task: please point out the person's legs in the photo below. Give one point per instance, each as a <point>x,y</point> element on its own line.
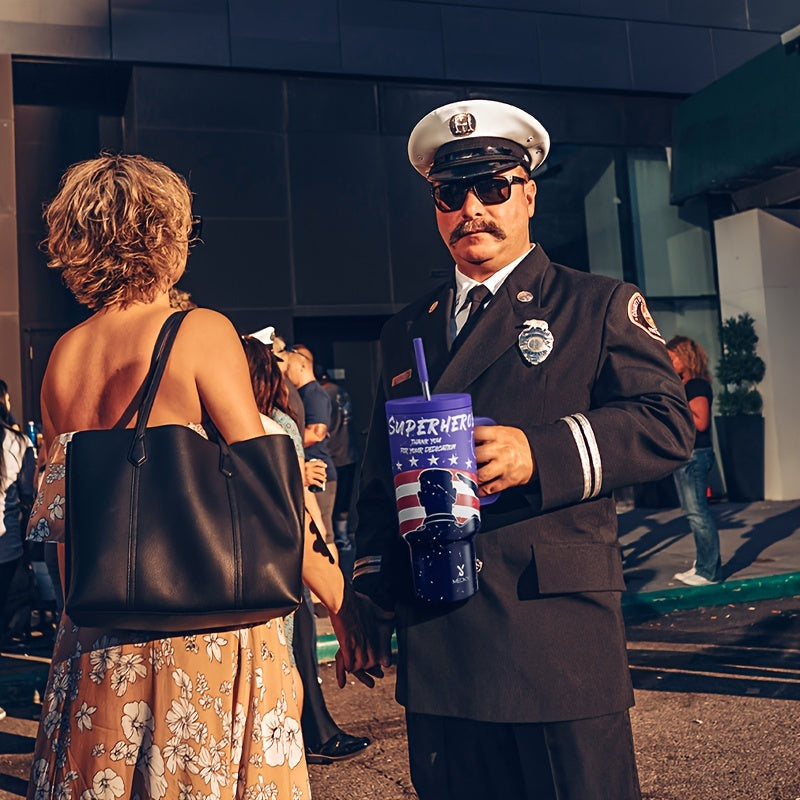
<point>691,481</point>
<point>458,759</point>
<point>589,759</point>
<point>7,570</point>
<point>325,742</point>
<point>341,507</point>
<point>326,498</point>
<point>317,723</point>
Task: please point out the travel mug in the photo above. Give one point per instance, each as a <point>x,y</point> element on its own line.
<point>433,462</point>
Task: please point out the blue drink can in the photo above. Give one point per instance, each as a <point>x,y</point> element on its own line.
<point>436,491</point>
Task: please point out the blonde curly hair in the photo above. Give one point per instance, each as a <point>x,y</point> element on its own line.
<point>692,355</point>
<point>119,229</point>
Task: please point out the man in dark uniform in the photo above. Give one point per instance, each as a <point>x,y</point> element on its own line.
<point>523,690</point>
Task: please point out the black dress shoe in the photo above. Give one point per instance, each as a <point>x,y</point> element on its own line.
<point>338,748</point>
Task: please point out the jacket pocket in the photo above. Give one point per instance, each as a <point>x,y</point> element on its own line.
<point>590,567</point>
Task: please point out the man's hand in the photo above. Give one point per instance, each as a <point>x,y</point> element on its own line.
<point>315,472</point>
<point>364,631</point>
<point>504,458</point>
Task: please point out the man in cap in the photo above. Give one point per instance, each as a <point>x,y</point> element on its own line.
<point>523,690</point>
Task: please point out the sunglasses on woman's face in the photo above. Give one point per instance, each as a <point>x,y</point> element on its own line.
<point>490,191</point>
<point>197,230</point>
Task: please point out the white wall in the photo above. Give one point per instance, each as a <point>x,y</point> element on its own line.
<point>758,259</point>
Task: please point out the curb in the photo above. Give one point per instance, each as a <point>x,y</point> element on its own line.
<point>766,587</point>
<point>745,590</point>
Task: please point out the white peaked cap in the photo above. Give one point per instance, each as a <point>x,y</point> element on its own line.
<point>265,335</point>
<point>476,137</point>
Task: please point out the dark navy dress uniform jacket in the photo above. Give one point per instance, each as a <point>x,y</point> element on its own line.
<point>543,639</point>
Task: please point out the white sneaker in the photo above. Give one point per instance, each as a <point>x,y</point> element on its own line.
<point>691,578</point>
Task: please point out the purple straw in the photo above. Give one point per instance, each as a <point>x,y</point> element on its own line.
<point>422,368</point>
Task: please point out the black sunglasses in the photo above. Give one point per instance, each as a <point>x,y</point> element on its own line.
<point>490,191</point>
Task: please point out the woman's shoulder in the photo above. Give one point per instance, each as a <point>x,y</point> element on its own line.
<point>208,333</point>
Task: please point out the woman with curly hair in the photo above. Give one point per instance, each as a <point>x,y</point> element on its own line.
<point>143,715</point>
<point>690,361</point>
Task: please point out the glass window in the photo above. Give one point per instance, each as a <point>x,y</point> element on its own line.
<point>672,243</point>
<point>577,209</point>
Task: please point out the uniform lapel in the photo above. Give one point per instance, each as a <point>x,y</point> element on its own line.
<point>499,325</point>
<point>433,327</point>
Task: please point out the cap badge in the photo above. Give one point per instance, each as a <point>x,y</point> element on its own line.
<point>535,341</point>
<point>462,124</point>
<point>524,297</point>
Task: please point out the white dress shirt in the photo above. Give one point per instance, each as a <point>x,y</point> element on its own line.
<point>464,284</point>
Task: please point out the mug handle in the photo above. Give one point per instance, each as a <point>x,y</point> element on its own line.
<point>488,499</point>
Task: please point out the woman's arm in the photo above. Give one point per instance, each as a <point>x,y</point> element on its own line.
<point>320,571</point>
<point>222,375</point>
<point>701,413</point>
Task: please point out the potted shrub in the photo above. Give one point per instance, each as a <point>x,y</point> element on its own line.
<point>740,425</point>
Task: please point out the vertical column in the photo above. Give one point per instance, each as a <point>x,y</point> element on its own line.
<point>10,363</point>
<point>757,263</point>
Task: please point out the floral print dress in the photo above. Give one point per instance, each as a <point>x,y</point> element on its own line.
<point>188,717</point>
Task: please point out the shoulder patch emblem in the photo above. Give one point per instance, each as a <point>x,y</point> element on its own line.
<point>640,316</point>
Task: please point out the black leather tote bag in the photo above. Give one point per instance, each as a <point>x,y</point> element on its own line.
<point>167,531</point>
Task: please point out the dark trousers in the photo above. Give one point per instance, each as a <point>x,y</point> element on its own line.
<point>7,570</point>
<point>317,723</point>
<point>587,759</point>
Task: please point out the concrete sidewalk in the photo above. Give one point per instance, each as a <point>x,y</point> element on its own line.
<point>760,545</point>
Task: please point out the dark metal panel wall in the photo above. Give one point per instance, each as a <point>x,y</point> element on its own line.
<point>658,45</point>
<point>74,29</point>
<point>170,32</point>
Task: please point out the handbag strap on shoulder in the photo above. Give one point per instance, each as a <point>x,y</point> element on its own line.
<point>137,455</point>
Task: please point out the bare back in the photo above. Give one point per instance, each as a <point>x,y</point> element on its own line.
<point>97,369</point>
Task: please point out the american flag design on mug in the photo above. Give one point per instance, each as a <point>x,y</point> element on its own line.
<point>410,511</point>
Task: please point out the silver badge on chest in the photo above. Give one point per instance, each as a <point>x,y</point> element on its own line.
<point>535,341</point>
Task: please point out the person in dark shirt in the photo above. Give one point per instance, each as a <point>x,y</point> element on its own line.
<point>317,406</point>
<point>690,362</point>
<point>343,448</point>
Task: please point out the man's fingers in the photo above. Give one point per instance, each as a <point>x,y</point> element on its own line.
<point>364,677</point>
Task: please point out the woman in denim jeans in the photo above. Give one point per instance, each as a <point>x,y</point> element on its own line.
<point>691,480</point>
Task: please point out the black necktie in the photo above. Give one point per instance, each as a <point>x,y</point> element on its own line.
<point>477,297</point>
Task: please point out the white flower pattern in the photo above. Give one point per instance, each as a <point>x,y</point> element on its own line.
<point>126,716</point>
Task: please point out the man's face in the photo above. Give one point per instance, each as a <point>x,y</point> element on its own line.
<point>485,238</point>
<point>294,367</point>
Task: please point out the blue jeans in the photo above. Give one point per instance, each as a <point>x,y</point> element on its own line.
<point>691,481</point>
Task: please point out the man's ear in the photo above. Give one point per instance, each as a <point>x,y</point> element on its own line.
<point>530,196</point>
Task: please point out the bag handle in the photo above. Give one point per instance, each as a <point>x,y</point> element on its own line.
<point>137,454</point>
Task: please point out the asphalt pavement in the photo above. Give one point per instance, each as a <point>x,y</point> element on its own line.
<point>716,671</point>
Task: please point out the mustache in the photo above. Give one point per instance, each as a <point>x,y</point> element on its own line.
<point>470,226</point>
